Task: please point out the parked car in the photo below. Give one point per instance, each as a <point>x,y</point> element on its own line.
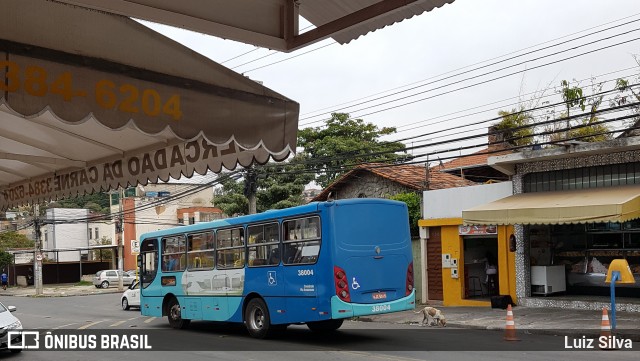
<point>131,272</point>
<point>107,278</point>
<point>9,322</point>
<point>131,297</point>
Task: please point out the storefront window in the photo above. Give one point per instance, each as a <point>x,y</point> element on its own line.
<point>610,175</point>
<point>586,251</point>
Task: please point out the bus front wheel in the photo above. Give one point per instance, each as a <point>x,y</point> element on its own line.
<point>174,314</point>
<point>325,326</point>
<point>257,318</point>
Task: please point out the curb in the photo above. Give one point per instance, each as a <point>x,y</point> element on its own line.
<point>59,294</point>
<point>633,334</point>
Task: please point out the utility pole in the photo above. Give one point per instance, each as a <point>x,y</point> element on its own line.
<point>120,237</point>
<point>37,253</point>
<point>250,189</point>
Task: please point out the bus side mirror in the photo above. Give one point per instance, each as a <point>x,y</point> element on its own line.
<point>139,261</point>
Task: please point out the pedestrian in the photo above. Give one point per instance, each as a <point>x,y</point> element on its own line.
<point>4,278</point>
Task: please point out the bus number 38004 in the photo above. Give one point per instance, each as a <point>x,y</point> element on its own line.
<point>380,308</point>
<point>305,272</point>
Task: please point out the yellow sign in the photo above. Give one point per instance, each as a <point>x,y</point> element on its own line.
<point>621,266</point>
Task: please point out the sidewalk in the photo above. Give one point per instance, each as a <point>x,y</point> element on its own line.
<point>527,320</point>
<point>58,290</point>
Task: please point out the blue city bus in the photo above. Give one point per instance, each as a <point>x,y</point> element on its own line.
<point>317,264</point>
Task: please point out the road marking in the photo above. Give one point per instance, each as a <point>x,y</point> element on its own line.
<point>89,325</point>
<point>59,327</point>
<point>150,320</point>
<point>372,355</point>
<point>123,321</point>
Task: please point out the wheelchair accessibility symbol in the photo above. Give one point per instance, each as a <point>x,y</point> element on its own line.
<point>271,278</point>
<point>355,285</point>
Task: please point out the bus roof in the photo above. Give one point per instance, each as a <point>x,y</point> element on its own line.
<point>268,215</point>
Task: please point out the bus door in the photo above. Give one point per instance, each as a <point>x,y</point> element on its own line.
<point>263,273</point>
<point>229,278</point>
<point>197,280</point>
<point>301,246</point>
<point>151,297</point>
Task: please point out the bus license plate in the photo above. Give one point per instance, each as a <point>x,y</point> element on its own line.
<point>379,295</point>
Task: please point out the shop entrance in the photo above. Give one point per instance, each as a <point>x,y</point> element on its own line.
<point>480,266</point>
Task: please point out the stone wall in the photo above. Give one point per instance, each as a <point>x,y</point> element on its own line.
<point>369,186</point>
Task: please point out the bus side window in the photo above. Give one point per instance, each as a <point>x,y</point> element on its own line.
<point>302,240</point>
<point>274,257</point>
<point>290,251</point>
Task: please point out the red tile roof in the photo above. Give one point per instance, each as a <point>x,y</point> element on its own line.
<point>478,159</point>
<point>410,176</point>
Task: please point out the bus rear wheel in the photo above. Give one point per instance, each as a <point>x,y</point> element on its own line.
<point>174,314</point>
<point>257,319</point>
<point>325,326</point>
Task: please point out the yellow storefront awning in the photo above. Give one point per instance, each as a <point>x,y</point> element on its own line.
<point>611,204</point>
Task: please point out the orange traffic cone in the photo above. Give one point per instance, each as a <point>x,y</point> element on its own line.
<point>605,326</point>
<point>605,330</point>
<point>510,328</point>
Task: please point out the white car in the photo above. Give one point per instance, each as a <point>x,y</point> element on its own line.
<point>131,297</point>
<point>9,322</point>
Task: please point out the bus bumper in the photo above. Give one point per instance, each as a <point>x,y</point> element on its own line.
<point>341,309</point>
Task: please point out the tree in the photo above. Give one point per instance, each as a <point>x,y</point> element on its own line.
<point>6,259</point>
<point>230,199</point>
<point>326,154</point>
<point>97,202</point>
<point>11,239</point>
<point>413,204</point>
<point>516,119</point>
<point>282,185</point>
<point>343,143</point>
<point>277,185</point>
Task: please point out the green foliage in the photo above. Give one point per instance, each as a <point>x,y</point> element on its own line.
<point>11,239</point>
<point>343,142</point>
<point>105,254</point>
<point>516,119</point>
<point>282,186</point>
<point>230,198</point>
<point>590,133</point>
<point>583,129</point>
<point>277,186</point>
<point>413,202</point>
<point>572,96</point>
<point>628,94</point>
<point>6,259</point>
<point>97,202</point>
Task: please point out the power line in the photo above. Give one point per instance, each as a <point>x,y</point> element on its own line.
<point>481,62</point>
<point>482,75</point>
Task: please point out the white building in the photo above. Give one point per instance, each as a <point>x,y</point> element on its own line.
<point>72,228</point>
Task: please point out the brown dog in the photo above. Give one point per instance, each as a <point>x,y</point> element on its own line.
<point>437,318</point>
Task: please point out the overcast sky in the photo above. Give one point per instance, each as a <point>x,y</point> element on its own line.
<point>456,38</point>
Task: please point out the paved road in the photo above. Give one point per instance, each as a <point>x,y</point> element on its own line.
<point>355,341</point>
